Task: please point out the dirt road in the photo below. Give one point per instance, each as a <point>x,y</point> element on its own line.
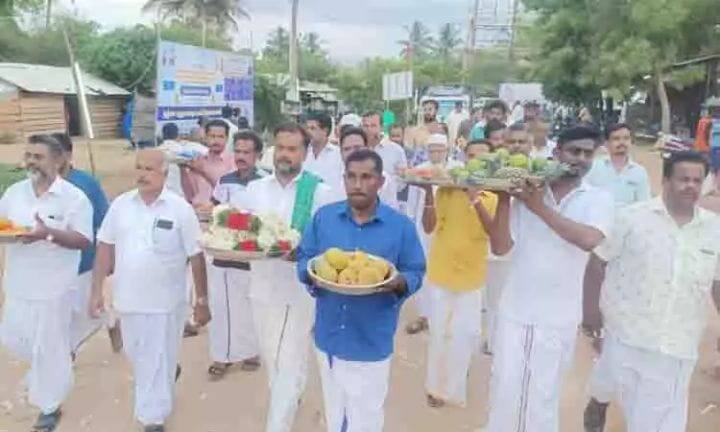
<point>102,398</point>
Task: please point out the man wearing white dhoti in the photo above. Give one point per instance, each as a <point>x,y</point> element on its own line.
<point>40,273</point>
<point>550,231</point>
<point>354,334</point>
<point>281,309</point>
<point>459,222</point>
<point>147,238</point>
<point>658,270</point>
<point>233,338</point>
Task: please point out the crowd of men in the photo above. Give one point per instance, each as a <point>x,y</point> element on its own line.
<point>591,250</point>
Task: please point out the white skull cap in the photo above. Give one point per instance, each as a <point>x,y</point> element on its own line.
<point>437,140</point>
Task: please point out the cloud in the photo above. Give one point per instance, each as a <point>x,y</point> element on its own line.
<point>351,30</point>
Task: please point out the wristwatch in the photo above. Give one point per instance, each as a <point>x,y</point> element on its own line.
<point>50,238</point>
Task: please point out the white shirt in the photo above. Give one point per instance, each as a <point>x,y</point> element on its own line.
<point>545,152</point>
<point>392,155</point>
<point>545,282</point>
<point>43,270</point>
<point>659,277</point>
<point>275,280</point>
<point>152,245</point>
<point>387,193</point>
<point>454,119</point>
<point>328,165</point>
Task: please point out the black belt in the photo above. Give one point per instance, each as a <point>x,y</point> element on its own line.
<point>232,264</point>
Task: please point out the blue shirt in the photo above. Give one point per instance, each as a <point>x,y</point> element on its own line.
<point>361,328</point>
<point>92,189</point>
<point>628,186</point>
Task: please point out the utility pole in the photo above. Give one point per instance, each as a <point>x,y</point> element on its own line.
<point>470,42</point>
<point>513,30</point>
<point>85,121</point>
<point>294,91</point>
<point>48,13</point>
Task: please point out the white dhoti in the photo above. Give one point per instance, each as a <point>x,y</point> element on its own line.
<point>38,332</point>
<point>354,393</point>
<point>284,335</point>
<point>652,388</point>
<point>423,301</point>
<point>455,323</point>
<point>232,329</point>
<point>82,326</point>
<point>152,343</point>
<point>498,269</point>
<point>529,362</point>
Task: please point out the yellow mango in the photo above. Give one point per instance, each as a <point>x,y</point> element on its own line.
<point>337,258</point>
<point>326,271</point>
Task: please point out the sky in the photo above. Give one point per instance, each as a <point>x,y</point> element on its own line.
<point>350,30</point>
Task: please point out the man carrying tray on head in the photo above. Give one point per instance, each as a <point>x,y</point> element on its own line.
<point>354,334</point>
<point>281,310</point>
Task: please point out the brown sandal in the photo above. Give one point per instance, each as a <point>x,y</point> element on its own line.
<point>417,326</point>
<point>218,370</point>
<point>250,365</point>
<point>434,402</point>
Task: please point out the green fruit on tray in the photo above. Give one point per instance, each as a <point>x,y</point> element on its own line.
<point>474,165</point>
<point>518,160</point>
<point>502,153</point>
<point>538,164</point>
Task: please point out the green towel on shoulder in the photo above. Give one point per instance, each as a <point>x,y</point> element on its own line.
<point>304,200</point>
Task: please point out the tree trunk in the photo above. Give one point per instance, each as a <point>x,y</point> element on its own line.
<point>665,124</point>
<point>294,92</point>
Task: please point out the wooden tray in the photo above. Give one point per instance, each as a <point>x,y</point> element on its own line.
<point>487,183</point>
<point>353,290</point>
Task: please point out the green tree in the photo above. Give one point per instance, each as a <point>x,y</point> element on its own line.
<point>448,41</point>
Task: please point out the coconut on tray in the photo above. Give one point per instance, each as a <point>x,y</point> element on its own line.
<point>492,171</point>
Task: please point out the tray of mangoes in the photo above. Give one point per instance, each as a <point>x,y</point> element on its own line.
<point>10,232</point>
<point>499,171</point>
<point>350,272</point>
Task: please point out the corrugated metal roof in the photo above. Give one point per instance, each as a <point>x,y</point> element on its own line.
<point>54,79</point>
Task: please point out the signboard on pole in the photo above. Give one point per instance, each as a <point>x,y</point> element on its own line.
<point>194,82</point>
<point>398,86</point>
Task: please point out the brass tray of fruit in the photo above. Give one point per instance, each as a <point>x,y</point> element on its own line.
<point>351,273</point>
<point>497,171</point>
<point>10,233</point>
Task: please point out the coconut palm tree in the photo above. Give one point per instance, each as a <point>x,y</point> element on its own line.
<point>223,13</point>
<point>419,41</point>
<point>448,40</point>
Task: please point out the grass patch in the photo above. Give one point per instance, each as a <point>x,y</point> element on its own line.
<point>9,174</point>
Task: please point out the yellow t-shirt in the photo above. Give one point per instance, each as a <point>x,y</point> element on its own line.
<point>459,250</point>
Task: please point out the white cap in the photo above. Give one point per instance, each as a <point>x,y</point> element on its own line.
<point>437,140</point>
<point>350,120</point>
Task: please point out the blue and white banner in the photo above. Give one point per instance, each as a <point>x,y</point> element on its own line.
<point>194,82</point>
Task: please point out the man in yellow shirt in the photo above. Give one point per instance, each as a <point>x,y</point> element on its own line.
<point>460,221</point>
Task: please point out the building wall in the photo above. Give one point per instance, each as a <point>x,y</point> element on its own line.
<point>106,115</point>
<point>41,113</point>
<point>9,114</point>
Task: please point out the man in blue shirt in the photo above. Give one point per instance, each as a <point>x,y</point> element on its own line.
<point>82,326</point>
<point>617,173</point>
<point>354,334</point>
